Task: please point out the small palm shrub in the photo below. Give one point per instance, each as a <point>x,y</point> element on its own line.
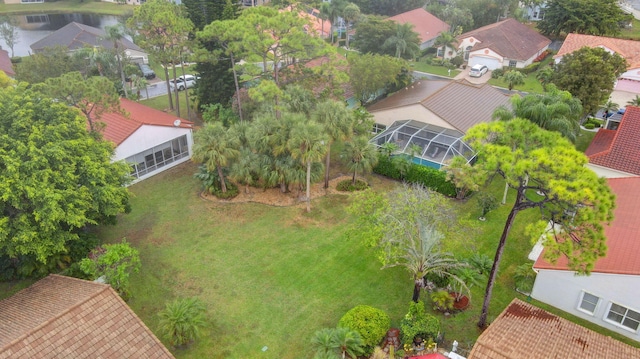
<point>181,320</point>
<point>371,323</point>
<point>524,277</point>
<point>481,263</point>
<point>336,343</point>
<point>442,301</point>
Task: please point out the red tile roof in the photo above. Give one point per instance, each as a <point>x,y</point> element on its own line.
<point>623,234</point>
<point>523,331</point>
<point>5,63</point>
<point>63,317</point>
<point>119,127</point>
<point>629,49</point>
<point>619,150</point>
<point>424,23</point>
<point>508,38</point>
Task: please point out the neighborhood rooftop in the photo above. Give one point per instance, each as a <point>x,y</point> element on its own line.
<point>523,331</point>
<point>622,234</point>
<point>75,36</point>
<point>509,38</point>
<point>119,127</point>
<point>619,149</point>
<point>629,49</point>
<point>424,23</point>
<point>64,317</point>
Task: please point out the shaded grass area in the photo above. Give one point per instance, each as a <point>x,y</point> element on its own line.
<point>432,69</point>
<point>584,140</point>
<point>67,6</point>
<point>633,32</point>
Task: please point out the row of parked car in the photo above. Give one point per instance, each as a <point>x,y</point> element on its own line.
<point>181,83</point>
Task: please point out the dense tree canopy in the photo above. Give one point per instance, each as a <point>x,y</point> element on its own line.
<point>549,174</point>
<point>371,34</point>
<point>387,7</point>
<point>589,75</point>
<point>371,73</point>
<point>56,179</point>
<point>591,17</point>
<point>52,62</point>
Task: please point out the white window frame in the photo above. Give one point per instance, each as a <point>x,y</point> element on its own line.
<point>513,63</point>
<point>619,324</point>
<point>582,300</point>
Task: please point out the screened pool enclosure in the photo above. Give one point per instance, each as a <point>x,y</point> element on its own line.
<point>429,145</point>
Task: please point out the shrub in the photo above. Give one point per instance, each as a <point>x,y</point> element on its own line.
<point>457,61</point>
<point>426,176</point>
<point>531,68</point>
<point>232,191</point>
<point>418,323</point>
<point>442,300</point>
<point>589,126</point>
<point>371,323</point>
<point>16,60</point>
<point>348,186</point>
<point>439,281</point>
<point>181,320</point>
<point>497,73</point>
<point>481,263</point>
<point>487,202</point>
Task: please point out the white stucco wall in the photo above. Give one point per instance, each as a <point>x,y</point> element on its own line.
<point>487,57</point>
<point>413,112</point>
<point>148,136</point>
<point>563,290</point>
<point>608,172</point>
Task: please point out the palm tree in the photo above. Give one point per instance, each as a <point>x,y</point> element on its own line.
<point>323,344</point>
<point>333,13</point>
<point>360,154</point>
<point>421,256</point>
<point>97,58</point>
<point>214,147</point>
<point>348,342</point>
<point>243,169</point>
<point>610,107</point>
<point>337,121</point>
<point>181,320</point>
<point>388,148</point>
<point>308,145</point>
<point>115,34</point>
<point>350,13</point>
<point>554,110</point>
<point>544,76</point>
<point>405,41</point>
<point>513,78</point>
<point>324,15</point>
<point>635,101</point>
<point>446,40</point>
<point>140,82</point>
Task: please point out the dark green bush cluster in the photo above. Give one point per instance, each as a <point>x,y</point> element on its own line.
<point>592,123</point>
<point>418,323</point>
<point>348,186</point>
<point>589,126</point>
<point>414,173</point>
<point>232,191</point>
<point>371,323</point>
<point>531,68</point>
<point>497,73</point>
<point>211,183</point>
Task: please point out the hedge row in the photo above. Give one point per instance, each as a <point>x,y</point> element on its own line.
<point>403,170</point>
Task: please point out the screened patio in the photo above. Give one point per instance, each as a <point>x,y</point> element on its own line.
<point>429,145</point>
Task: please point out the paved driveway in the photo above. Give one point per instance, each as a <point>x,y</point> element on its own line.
<point>464,74</point>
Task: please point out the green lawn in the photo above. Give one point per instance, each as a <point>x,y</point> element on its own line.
<point>68,6</point>
<point>272,276</point>
<point>531,84</point>
<point>584,140</point>
<point>432,69</point>
<point>633,32</point>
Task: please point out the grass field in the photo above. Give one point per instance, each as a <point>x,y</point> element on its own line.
<point>67,6</point>
<point>272,276</point>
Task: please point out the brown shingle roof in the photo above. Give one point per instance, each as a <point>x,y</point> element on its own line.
<point>424,23</point>
<point>76,36</point>
<point>622,234</point>
<point>5,64</point>
<point>629,49</point>
<point>118,127</point>
<point>523,331</point>
<point>63,317</point>
<point>508,38</point>
<point>623,150</point>
<point>460,103</point>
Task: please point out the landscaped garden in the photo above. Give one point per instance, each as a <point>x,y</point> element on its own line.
<point>272,276</point>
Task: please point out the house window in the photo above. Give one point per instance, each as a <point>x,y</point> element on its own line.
<point>513,63</point>
<point>624,317</point>
<point>588,303</point>
<point>37,19</point>
<point>158,156</point>
<point>440,52</point>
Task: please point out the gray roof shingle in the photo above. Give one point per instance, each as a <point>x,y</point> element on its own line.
<point>76,36</point>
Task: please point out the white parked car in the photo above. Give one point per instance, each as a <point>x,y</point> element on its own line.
<point>478,70</point>
<point>182,82</point>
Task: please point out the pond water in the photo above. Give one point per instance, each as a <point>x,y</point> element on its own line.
<point>34,27</point>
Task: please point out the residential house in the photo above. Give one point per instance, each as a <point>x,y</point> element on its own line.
<point>523,331</point>
<point>75,36</point>
<point>151,141</point>
<point>5,64</point>
<point>431,117</point>
<point>535,12</point>
<point>616,153</point>
<point>609,295</point>
<point>424,23</point>
<point>456,105</point>
<point>629,81</point>
<point>64,317</point>
<point>506,43</point>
